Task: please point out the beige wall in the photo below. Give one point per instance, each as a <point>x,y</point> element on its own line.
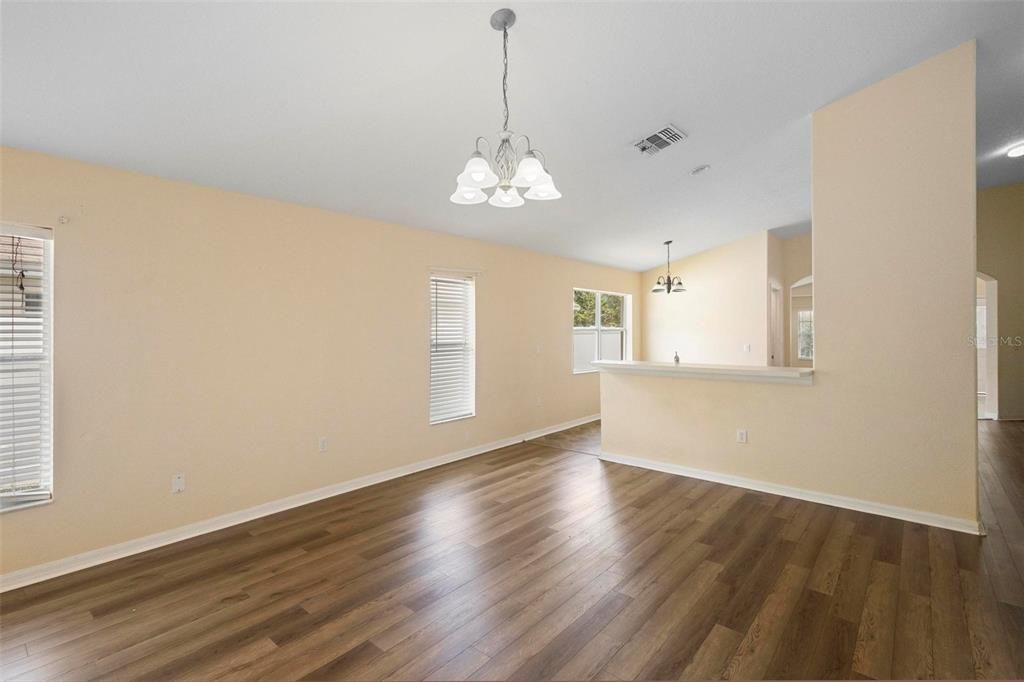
<point>796,260</point>
<point>220,335</point>
<point>723,309</point>
<point>1001,255</point>
<point>890,418</point>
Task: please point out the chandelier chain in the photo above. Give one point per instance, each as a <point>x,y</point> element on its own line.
<point>504,76</point>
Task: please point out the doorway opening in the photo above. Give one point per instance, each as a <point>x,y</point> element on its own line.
<point>986,344</point>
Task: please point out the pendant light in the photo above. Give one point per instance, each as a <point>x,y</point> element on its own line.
<point>508,169</point>
<point>667,284</point>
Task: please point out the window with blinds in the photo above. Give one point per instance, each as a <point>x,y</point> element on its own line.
<point>26,453</point>
<point>452,356</point>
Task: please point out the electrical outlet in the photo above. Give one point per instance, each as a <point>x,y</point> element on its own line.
<point>178,483</point>
<point>741,435</point>
<point>323,443</point>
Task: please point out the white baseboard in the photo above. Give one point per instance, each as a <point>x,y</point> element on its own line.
<point>901,513</point>
<point>35,574</point>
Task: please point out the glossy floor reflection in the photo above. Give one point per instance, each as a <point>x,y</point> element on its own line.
<point>584,438</point>
<point>540,562</point>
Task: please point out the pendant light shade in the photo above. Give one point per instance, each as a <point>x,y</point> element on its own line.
<point>545,192</point>
<point>513,161</point>
<point>477,173</point>
<point>506,198</point>
<point>468,195</point>
<point>530,172</point>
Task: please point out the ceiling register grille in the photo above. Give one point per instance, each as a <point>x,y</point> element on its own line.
<point>664,138</point>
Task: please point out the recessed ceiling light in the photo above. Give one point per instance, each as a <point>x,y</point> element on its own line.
<point>700,169</point>
<point>1016,150</point>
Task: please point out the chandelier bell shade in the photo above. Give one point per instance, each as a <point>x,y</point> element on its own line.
<point>468,195</point>
<point>506,198</point>
<point>530,172</point>
<point>545,192</point>
<point>667,284</point>
<point>510,166</point>
<point>477,174</point>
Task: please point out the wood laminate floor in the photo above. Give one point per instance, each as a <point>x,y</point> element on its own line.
<point>538,561</point>
<point>585,438</point>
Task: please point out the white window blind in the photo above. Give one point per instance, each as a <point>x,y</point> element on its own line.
<point>452,357</point>
<point>26,453</point>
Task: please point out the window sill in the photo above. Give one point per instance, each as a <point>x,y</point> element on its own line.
<point>585,371</point>
<point>17,506</point>
<point>453,419</point>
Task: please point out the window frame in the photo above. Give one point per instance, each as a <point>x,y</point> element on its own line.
<point>799,332</point>
<point>471,276</point>
<point>626,328</point>
<point>8,229</point>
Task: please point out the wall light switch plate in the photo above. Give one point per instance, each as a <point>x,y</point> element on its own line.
<point>178,483</point>
<point>746,347</point>
<point>323,443</point>
<point>741,435</point>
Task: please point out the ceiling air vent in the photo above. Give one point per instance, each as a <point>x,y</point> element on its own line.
<point>655,142</point>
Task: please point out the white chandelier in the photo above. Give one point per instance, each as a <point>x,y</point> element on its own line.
<point>667,283</point>
<point>514,170</point>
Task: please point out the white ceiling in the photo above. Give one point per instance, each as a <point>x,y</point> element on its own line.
<point>372,108</point>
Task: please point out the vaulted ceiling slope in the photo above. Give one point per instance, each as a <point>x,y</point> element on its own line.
<point>372,109</point>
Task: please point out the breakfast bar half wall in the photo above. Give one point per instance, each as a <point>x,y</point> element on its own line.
<point>886,422</point>
<point>689,420</point>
